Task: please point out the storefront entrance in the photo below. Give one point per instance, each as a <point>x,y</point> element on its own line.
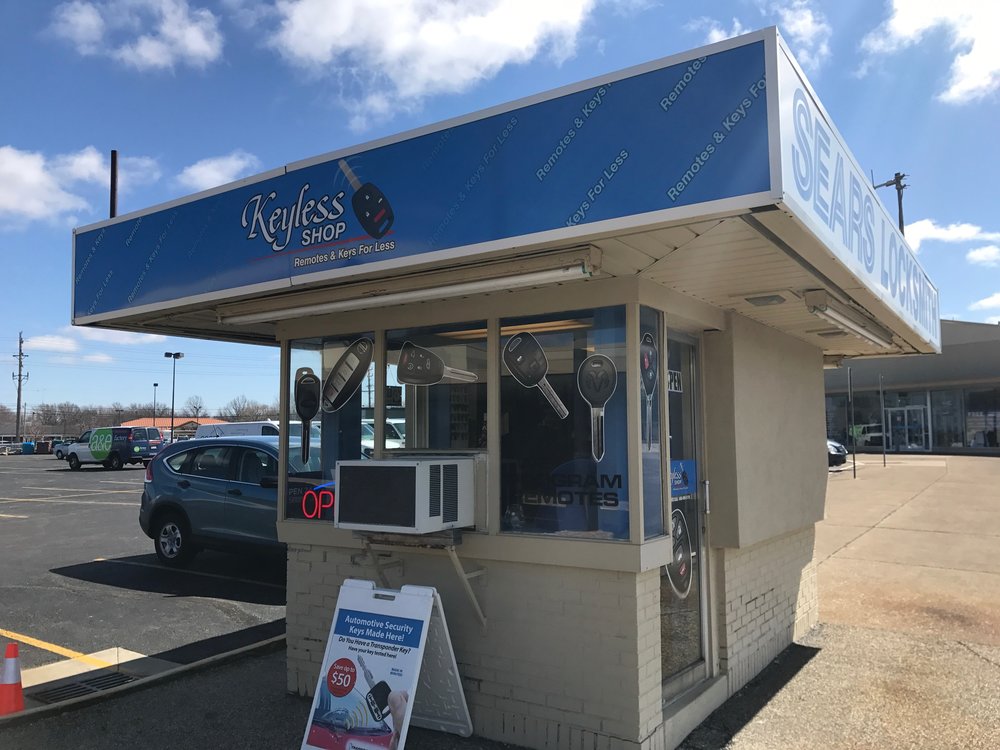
<point>682,605</point>
<point>908,428</point>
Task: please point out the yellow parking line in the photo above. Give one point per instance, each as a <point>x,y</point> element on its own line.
<point>62,500</point>
<point>53,648</point>
<point>9,515</point>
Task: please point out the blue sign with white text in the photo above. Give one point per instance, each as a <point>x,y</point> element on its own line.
<point>401,631</point>
<point>671,137</point>
<point>683,478</point>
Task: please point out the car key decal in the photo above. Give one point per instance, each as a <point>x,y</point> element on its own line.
<point>347,374</point>
<point>370,206</point>
<point>597,379</point>
<point>648,367</point>
<point>419,366</point>
<point>307,400</point>
<point>526,361</point>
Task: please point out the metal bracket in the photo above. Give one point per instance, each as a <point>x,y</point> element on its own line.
<point>447,541</point>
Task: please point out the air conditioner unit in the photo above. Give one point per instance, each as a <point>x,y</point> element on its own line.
<point>412,496</point>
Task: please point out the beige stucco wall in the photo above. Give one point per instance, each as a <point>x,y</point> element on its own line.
<point>765,433</point>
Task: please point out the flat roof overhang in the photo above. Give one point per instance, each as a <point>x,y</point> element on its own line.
<point>770,220</point>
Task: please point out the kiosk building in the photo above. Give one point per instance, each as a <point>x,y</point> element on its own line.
<point>607,309</point>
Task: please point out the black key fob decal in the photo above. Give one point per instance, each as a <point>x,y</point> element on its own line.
<point>306,403</point>
<point>370,206</point>
<point>347,374</point>
<point>526,361</point>
<point>419,366</point>
<point>648,367</point>
<point>597,379</point>
<point>378,700</point>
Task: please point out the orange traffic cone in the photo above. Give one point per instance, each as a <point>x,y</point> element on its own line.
<point>11,693</point>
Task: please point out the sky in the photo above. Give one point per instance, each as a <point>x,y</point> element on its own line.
<point>193,94</point>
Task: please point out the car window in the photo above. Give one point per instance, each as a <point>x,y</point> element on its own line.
<point>209,463</point>
<point>255,465</point>
<point>268,430</point>
<point>139,433</point>
<point>85,437</point>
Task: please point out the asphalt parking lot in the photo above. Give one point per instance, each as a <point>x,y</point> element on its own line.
<point>81,587</point>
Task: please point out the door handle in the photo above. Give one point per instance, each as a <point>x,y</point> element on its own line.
<point>184,484</point>
<point>237,492</point>
<point>708,498</point>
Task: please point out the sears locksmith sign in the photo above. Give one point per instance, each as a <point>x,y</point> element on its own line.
<point>828,190</point>
<point>640,143</point>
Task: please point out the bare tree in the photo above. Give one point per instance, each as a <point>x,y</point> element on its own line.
<point>242,409</point>
<point>194,406</point>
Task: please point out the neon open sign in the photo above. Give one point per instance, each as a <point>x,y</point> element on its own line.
<point>312,503</point>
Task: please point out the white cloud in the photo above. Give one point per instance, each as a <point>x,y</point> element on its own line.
<point>928,229</point>
<point>30,188</point>
<point>805,28</point>
<point>389,54</point>
<point>219,170</point>
<point>988,303</point>
<point>51,343</point>
<point>108,336</point>
<point>984,256</point>
<point>993,320</point>
<point>102,359</point>
<point>971,26</point>
<point>145,34</point>
<point>34,187</point>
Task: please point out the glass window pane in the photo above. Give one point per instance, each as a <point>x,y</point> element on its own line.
<point>563,424</point>
<point>982,416</point>
<point>651,385</point>
<point>948,419</point>
<point>442,374</point>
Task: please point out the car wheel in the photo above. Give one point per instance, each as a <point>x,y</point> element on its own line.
<point>59,453</point>
<point>74,462</point>
<point>172,539</point>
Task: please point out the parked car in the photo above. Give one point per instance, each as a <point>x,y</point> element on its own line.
<point>219,492</point>
<point>59,448</point>
<point>9,449</point>
<point>114,447</point>
<point>836,453</point>
<point>870,435</point>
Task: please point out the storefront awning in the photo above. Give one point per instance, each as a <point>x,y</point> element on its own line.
<point>716,173</point>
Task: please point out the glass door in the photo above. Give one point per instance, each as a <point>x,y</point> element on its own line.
<point>682,596</point>
<point>908,428</point>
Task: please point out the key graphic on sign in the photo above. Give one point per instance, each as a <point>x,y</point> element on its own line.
<point>597,379</point>
<point>377,698</point>
<point>419,366</point>
<point>370,205</point>
<point>526,361</point>
<point>306,403</point>
<point>648,368</point>
<point>347,374</point>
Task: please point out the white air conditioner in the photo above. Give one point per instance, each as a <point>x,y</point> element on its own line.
<point>417,495</point>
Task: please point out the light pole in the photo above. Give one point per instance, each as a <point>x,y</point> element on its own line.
<point>154,403</point>
<point>173,383</point>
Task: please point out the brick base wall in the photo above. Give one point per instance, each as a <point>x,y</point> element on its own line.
<point>768,598</point>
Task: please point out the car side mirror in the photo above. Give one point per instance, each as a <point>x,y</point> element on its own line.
<point>269,482</point>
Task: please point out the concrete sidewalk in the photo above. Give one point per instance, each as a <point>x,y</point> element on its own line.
<point>908,655</point>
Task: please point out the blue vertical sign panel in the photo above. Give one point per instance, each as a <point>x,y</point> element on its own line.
<point>675,136</point>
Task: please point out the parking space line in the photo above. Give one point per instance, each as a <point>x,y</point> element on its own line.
<point>62,500</point>
<point>191,572</point>
<point>79,489</point>
<point>53,648</point>
<point>10,515</point>
<point>133,483</point>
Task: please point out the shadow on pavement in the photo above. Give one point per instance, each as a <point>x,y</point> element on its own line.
<point>726,721</point>
<point>241,578</point>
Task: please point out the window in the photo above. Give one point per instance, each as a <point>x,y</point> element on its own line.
<point>442,374</point>
<point>332,381</point>
<point>564,462</point>
<point>254,465</point>
<point>153,433</point>
<point>210,463</point>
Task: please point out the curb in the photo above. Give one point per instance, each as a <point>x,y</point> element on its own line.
<point>41,712</point>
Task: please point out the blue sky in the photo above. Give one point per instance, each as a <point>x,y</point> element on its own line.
<point>193,94</point>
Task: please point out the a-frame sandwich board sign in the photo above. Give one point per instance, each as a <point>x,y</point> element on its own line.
<point>388,663</point>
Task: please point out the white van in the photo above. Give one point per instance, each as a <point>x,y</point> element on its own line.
<point>230,429</point>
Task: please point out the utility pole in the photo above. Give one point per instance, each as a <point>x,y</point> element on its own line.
<point>20,378</point>
<point>897,181</point>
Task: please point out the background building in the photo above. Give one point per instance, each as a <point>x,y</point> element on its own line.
<point>944,403</point>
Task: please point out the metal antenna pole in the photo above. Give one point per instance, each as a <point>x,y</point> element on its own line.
<point>897,182</point>
<point>20,378</point>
